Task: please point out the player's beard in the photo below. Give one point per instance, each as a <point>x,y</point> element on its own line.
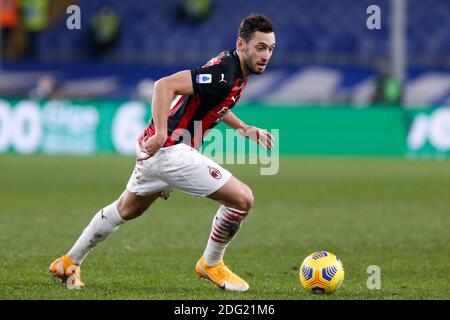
<point>249,64</point>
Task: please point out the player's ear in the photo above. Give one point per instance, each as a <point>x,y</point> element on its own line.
<point>240,43</point>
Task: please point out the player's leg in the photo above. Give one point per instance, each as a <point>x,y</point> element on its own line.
<point>108,220</point>
<point>143,188</point>
<point>131,205</point>
<point>191,172</point>
<point>237,200</point>
<point>103,224</point>
<point>234,194</point>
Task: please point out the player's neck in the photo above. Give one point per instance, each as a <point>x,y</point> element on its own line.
<point>245,71</point>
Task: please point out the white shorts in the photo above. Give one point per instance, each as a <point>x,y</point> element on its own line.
<point>177,167</point>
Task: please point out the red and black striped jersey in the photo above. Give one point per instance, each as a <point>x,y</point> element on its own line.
<point>218,86</point>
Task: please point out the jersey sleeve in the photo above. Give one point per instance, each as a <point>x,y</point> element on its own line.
<point>216,80</point>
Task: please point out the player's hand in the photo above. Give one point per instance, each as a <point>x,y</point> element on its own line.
<point>151,146</point>
<point>260,136</point>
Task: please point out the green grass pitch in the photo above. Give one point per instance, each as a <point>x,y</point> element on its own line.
<point>388,212</point>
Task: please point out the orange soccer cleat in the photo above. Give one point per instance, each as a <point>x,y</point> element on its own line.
<point>221,275</point>
<point>66,270</point>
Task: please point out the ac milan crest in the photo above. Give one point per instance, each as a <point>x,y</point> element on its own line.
<point>215,173</point>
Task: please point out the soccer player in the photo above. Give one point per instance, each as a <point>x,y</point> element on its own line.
<point>184,106</point>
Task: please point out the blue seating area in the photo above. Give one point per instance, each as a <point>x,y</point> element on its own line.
<point>317,40</point>
<point>152,30</point>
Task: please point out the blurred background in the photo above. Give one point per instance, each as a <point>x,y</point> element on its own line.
<point>360,93</point>
<point>353,89</point>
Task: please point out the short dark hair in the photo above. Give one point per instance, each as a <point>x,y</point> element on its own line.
<point>251,24</point>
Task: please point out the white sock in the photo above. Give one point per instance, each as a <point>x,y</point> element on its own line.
<point>226,223</point>
<point>105,222</point>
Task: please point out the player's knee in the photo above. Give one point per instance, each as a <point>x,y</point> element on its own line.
<point>246,199</point>
<point>129,211</point>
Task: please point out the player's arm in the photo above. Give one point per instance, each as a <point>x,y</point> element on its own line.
<point>233,121</point>
<point>165,90</point>
<point>260,136</point>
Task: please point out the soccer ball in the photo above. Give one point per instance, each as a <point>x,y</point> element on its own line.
<point>321,272</point>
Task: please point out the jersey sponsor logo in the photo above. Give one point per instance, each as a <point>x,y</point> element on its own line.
<point>215,173</point>
<point>203,78</point>
<point>222,111</point>
<point>221,114</point>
